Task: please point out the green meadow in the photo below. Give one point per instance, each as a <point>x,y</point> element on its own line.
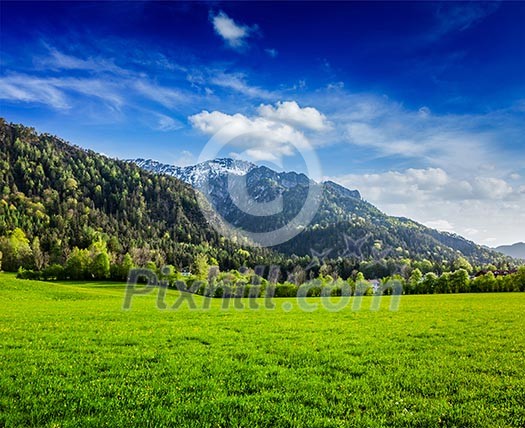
<point>71,357</point>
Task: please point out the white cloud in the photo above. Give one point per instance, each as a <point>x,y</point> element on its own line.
<point>442,225</point>
<point>57,60</point>
<point>166,123</point>
<point>104,81</point>
<point>54,91</point>
<point>62,93</point>
<point>491,188</point>
<point>381,128</point>
<point>272,52</point>
<point>474,207</point>
<point>168,97</point>
<point>290,112</point>
<point>237,82</point>
<point>383,140</point>
<point>427,184</point>
<point>234,34</point>
<point>272,134</point>
<point>260,138</point>
<point>24,88</point>
<point>103,89</point>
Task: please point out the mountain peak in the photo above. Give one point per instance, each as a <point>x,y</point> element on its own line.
<point>337,188</point>
<point>196,175</point>
<point>342,213</point>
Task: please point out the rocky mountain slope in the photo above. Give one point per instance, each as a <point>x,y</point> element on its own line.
<point>344,224</point>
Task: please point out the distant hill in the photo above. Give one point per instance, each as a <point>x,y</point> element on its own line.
<point>343,216</point>
<point>516,250</point>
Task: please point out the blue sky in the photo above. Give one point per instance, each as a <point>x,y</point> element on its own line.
<point>421,106</point>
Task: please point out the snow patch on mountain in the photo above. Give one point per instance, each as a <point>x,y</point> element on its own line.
<point>198,175</point>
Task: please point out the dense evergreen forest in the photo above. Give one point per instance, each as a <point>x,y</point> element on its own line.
<point>57,200</point>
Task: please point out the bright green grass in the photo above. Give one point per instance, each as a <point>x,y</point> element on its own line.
<point>70,356</point>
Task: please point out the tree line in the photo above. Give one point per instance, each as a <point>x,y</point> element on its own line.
<point>97,262</point>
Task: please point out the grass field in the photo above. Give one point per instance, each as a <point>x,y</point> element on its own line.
<point>71,357</point>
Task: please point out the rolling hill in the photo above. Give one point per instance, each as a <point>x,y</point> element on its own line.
<point>516,250</point>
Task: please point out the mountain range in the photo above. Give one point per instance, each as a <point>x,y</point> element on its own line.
<point>61,196</point>
<point>344,224</point>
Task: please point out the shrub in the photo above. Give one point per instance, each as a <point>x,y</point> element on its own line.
<point>54,272</point>
<point>27,274</point>
<point>218,292</point>
<point>286,289</point>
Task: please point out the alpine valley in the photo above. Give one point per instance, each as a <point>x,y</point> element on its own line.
<point>63,205</point>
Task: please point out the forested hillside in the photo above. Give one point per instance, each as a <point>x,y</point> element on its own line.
<point>55,197</point>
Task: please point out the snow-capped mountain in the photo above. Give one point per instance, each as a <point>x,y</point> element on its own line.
<point>198,175</point>
<point>341,214</point>
<point>206,172</point>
